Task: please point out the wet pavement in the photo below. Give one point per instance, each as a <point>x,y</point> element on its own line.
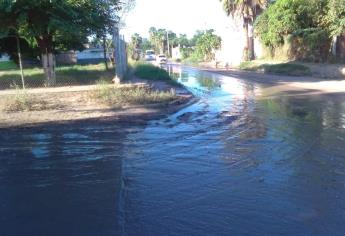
<point>234,163</point>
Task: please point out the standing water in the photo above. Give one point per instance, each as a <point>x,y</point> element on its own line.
<point>234,163</point>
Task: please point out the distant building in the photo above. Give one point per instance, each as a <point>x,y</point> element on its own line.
<point>87,56</point>
<point>233,39</point>
<point>4,57</point>
<point>92,55</point>
<point>68,58</point>
<point>176,53</point>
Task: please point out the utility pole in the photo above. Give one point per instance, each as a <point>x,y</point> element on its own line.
<point>116,42</point>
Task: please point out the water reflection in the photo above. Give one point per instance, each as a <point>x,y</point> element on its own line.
<point>237,163</point>
<point>61,180</point>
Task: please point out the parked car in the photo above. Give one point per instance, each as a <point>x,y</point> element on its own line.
<point>161,59</point>
<point>150,55</point>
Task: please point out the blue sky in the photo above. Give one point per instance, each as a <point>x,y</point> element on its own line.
<point>180,16</point>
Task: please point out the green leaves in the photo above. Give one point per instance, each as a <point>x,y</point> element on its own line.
<point>286,17</point>
<point>206,45</point>
<point>336,17</point>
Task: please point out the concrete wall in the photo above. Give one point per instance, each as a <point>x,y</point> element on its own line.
<point>4,57</point>
<point>176,53</point>
<point>232,43</point>
<point>66,58</point>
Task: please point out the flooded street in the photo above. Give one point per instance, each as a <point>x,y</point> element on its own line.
<point>236,162</point>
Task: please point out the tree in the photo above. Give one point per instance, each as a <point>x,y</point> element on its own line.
<point>135,45</point>
<point>183,41</point>
<point>336,17</point>
<point>43,22</point>
<point>206,45</point>
<point>248,10</point>
<point>305,22</point>
<point>146,44</point>
<point>158,39</point>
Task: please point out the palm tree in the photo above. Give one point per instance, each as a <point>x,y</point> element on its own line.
<point>248,10</point>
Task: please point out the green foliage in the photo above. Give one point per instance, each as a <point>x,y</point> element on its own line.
<point>134,46</point>
<point>336,17</point>
<point>150,72</point>
<point>246,9</point>
<point>158,39</point>
<point>305,22</point>
<point>206,45</point>
<point>63,24</point>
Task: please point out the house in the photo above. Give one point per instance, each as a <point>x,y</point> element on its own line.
<point>4,57</point>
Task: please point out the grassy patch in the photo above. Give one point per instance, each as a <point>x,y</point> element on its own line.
<point>281,68</point>
<point>65,75</point>
<point>22,101</point>
<point>151,72</point>
<point>191,61</point>
<point>287,69</point>
<point>133,95</point>
<point>8,65</point>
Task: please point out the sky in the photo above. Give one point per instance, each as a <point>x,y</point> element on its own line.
<point>180,16</point>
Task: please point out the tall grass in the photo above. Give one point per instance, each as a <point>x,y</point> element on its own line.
<point>134,94</point>
<point>22,101</point>
<point>151,72</point>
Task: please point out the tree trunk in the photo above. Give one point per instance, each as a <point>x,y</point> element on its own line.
<point>248,51</point>
<point>251,50</point>
<point>247,40</point>
<point>45,44</point>
<point>20,62</point>
<point>48,63</point>
<point>105,53</point>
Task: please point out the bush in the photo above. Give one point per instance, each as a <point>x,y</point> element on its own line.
<point>134,95</point>
<point>150,72</point>
<point>305,21</point>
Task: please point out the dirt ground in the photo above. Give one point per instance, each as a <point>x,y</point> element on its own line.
<point>73,103</point>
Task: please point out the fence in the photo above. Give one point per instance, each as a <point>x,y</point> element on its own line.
<point>66,75</point>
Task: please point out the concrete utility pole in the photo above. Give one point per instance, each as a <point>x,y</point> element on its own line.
<point>116,39</point>
<point>120,55</point>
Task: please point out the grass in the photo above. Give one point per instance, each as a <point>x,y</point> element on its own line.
<point>291,69</point>
<point>132,95</point>
<point>148,71</point>
<point>65,75</point>
<point>22,101</point>
<point>8,65</point>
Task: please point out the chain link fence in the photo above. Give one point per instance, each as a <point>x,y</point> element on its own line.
<point>69,72</point>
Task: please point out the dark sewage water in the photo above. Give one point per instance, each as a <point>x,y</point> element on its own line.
<point>236,162</point>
